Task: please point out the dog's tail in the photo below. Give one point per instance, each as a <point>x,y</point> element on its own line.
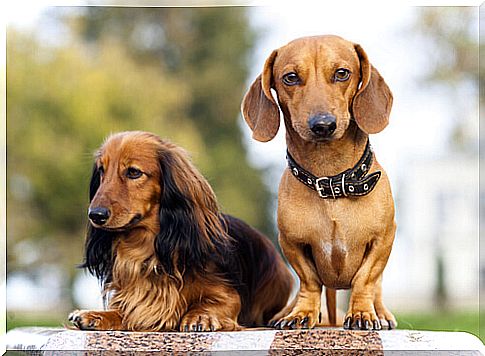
<point>331,297</point>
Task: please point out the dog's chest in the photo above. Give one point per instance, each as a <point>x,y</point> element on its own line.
<point>335,253</point>
<point>337,250</point>
<point>337,231</point>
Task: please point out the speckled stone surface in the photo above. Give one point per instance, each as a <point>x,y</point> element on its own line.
<point>296,342</point>
<point>322,341</point>
<point>138,341</point>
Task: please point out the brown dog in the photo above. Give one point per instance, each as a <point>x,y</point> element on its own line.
<point>167,257</point>
<point>335,207</point>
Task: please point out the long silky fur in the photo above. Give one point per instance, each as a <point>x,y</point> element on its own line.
<point>195,242</point>
<point>98,256</point>
<point>192,235</point>
<point>191,227</point>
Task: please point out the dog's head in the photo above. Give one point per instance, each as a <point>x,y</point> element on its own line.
<point>140,182</point>
<point>321,83</point>
<point>125,185</point>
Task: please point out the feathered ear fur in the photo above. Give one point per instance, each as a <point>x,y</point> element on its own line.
<point>259,108</point>
<point>373,101</point>
<point>98,257</point>
<point>192,233</point>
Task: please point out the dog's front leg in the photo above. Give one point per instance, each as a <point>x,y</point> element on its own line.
<point>305,310</point>
<point>386,318</point>
<point>96,319</point>
<point>365,300</point>
<point>217,309</point>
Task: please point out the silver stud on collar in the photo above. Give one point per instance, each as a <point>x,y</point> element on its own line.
<point>351,188</point>
<point>295,171</point>
<point>366,186</point>
<point>363,167</point>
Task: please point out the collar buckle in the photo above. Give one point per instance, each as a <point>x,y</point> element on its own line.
<point>320,189</point>
<point>354,178</point>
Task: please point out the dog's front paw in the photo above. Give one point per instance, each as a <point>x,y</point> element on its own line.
<point>86,320</point>
<point>386,318</point>
<point>362,320</point>
<point>299,318</point>
<point>361,315</point>
<point>194,321</point>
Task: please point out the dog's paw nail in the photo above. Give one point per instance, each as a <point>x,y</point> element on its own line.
<point>376,325</point>
<point>272,323</point>
<point>392,324</point>
<point>186,328</point>
<point>358,323</point>
<point>348,323</point>
<point>304,323</point>
<point>199,327</point>
<point>367,325</point>
<point>292,324</point>
<point>282,324</point>
<point>212,328</point>
<point>73,316</point>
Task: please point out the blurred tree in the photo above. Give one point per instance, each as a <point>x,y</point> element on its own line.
<point>61,103</point>
<point>177,72</point>
<point>208,50</point>
<point>450,39</point>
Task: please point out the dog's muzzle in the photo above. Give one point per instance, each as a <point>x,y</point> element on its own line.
<point>99,215</point>
<point>322,125</point>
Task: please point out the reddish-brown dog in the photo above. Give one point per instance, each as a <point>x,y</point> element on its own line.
<point>168,259</point>
<point>335,207</point>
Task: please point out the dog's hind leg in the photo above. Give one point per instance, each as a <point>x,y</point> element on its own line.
<point>331,297</point>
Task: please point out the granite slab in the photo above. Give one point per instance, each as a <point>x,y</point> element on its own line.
<point>323,341</point>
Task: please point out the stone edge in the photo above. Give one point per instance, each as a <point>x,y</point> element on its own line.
<point>258,340</point>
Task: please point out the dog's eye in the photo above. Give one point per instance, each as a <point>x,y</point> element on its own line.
<point>342,74</point>
<point>291,79</point>
<point>133,173</point>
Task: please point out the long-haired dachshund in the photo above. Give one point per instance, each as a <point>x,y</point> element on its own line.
<point>167,258</point>
<point>335,207</point>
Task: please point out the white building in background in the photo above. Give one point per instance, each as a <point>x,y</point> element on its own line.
<point>438,218</point>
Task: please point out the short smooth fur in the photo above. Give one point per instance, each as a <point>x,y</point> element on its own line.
<point>337,243</point>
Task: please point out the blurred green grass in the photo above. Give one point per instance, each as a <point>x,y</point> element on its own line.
<point>20,319</point>
<point>452,321</point>
<point>468,321</point>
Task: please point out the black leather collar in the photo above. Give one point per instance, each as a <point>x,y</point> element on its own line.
<point>352,182</point>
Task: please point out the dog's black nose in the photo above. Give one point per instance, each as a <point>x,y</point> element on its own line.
<point>98,215</point>
<point>323,125</point>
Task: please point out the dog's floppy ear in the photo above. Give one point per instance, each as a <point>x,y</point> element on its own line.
<point>98,257</point>
<point>259,107</point>
<point>191,229</point>
<point>373,101</point>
